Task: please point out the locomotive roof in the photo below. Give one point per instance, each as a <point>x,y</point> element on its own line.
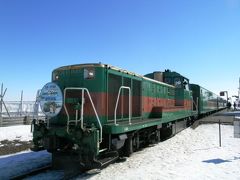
<point>78,66</point>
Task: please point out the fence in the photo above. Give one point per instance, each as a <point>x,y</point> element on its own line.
<point>19,112</point>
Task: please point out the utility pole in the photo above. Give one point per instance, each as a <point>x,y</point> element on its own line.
<point>1,102</point>
<point>239,90</point>
<point>36,106</point>
<point>21,104</point>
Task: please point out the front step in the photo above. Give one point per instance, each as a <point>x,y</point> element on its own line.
<point>106,159</point>
<point>70,161</point>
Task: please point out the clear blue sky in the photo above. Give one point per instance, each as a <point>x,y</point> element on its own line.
<point>199,39</point>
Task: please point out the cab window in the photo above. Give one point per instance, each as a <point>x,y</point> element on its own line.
<point>177,82</point>
<point>168,80</point>
<point>186,84</point>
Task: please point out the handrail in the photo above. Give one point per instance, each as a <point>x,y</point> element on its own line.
<point>81,119</point>
<point>129,102</point>
<point>196,104</point>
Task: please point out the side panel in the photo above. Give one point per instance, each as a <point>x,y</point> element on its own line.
<point>207,101</point>
<point>156,97</point>
<point>115,81</point>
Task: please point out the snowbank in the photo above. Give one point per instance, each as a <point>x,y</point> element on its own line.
<point>21,133</point>
<point>191,154</point>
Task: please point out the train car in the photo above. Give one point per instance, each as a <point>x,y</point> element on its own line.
<point>96,113</point>
<point>222,103</point>
<point>205,101</point>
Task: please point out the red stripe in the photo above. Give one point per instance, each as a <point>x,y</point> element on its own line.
<point>102,101</point>
<point>168,105</point>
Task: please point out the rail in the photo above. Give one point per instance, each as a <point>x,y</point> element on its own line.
<point>129,104</point>
<point>82,108</point>
<point>32,172</point>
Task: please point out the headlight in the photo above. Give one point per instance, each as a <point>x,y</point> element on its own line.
<point>51,99</point>
<point>89,73</point>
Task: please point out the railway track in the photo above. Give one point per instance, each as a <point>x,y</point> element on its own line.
<point>34,165</point>
<point>32,172</point>
<point>46,172</point>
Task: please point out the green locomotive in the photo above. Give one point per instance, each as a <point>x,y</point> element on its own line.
<point>96,113</point>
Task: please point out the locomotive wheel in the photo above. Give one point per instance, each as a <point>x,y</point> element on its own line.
<point>129,146</point>
<point>158,136</point>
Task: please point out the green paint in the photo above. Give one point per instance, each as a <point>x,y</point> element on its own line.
<point>207,101</point>
<point>140,123</point>
<point>108,80</point>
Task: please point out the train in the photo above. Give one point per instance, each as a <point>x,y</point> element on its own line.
<point>97,113</point>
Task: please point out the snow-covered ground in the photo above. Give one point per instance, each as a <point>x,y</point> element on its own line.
<point>21,132</point>
<point>15,164</point>
<point>191,154</point>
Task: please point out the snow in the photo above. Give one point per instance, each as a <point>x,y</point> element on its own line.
<point>21,133</point>
<point>191,154</point>
<point>18,161</point>
<point>22,163</point>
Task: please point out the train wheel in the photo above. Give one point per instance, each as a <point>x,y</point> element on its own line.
<point>189,121</point>
<point>129,146</point>
<point>135,142</point>
<point>158,136</point>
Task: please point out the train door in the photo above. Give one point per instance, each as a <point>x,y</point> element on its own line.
<point>115,81</point>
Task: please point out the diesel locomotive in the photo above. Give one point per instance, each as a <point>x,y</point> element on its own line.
<point>96,113</point>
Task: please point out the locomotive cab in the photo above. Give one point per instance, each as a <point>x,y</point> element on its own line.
<point>176,79</point>
<point>170,77</point>
<point>181,84</point>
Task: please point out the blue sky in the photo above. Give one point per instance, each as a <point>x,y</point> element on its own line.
<point>199,39</point>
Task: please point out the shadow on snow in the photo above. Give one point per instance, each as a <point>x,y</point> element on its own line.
<point>19,163</point>
<point>219,161</point>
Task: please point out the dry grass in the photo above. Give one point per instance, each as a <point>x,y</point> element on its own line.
<point>10,147</point>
